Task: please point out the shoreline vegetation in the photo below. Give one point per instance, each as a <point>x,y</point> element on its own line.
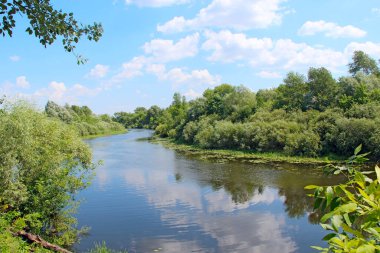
<point>314,115</point>
<point>224,155</point>
<point>88,137</point>
<point>84,121</point>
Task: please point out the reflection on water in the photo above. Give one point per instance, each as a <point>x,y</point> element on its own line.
<point>147,198</point>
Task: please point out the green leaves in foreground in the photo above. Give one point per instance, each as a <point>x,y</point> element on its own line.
<point>351,210</point>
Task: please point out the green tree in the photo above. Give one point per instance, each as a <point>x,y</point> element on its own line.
<point>291,94</point>
<point>43,165</point>
<point>322,89</point>
<point>362,62</point>
<point>47,23</point>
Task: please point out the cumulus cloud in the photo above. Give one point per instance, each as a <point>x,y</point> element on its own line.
<point>22,82</point>
<point>15,58</point>
<point>191,94</point>
<point>99,71</point>
<point>370,48</point>
<point>179,76</point>
<point>60,93</point>
<point>155,3</point>
<point>130,69</point>
<point>55,91</point>
<point>285,54</point>
<point>166,50</point>
<point>269,74</point>
<point>230,47</point>
<point>330,29</point>
<point>238,14</point>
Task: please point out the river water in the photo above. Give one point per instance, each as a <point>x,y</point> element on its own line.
<point>146,198</point>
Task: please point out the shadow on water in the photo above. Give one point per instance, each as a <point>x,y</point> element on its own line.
<point>150,199</point>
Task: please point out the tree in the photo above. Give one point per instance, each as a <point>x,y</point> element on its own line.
<point>291,94</point>
<point>364,63</point>
<point>322,89</point>
<point>47,23</point>
<point>43,165</point>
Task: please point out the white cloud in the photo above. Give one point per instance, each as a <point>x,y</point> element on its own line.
<point>191,94</point>
<point>167,50</point>
<point>285,54</point>
<point>268,74</point>
<point>15,58</point>
<point>60,93</point>
<point>22,82</point>
<point>238,14</point>
<point>229,47</point>
<point>141,65</point>
<point>99,71</point>
<point>179,76</point>
<point>79,90</point>
<point>156,3</point>
<point>55,91</point>
<point>330,29</point>
<point>368,47</point>
<point>130,69</point>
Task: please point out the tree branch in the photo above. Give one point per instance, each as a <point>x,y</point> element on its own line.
<point>38,240</point>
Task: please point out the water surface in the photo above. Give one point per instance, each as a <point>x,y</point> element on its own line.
<point>146,198</point>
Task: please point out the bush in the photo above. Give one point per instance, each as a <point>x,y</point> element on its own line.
<point>350,210</point>
<point>43,164</point>
<point>352,133</point>
<point>306,143</point>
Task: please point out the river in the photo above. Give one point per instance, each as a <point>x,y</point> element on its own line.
<point>146,198</point>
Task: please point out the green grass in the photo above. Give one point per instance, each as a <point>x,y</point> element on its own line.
<point>244,155</point>
<point>102,248</point>
<point>104,134</point>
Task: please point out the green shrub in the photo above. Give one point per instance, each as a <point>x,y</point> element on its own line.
<point>351,210</point>
<point>306,143</point>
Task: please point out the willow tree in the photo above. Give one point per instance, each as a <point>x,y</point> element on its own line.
<point>43,165</point>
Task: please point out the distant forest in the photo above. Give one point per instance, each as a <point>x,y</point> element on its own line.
<point>312,115</point>
<point>83,120</point>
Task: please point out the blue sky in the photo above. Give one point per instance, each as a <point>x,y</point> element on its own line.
<point>153,48</point>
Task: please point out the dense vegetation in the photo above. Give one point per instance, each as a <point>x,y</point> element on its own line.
<point>43,165</point>
<point>315,115</point>
<point>83,120</point>
<point>351,209</point>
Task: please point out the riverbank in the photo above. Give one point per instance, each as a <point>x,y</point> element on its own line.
<point>86,137</point>
<point>224,155</point>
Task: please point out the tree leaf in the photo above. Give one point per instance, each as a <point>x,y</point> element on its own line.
<point>377,169</point>
<point>358,149</point>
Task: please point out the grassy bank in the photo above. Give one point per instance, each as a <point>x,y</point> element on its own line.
<point>104,134</point>
<point>222,155</point>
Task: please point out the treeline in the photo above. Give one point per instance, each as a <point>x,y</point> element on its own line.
<point>82,119</point>
<point>311,115</point>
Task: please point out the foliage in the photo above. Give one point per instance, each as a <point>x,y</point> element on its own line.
<point>102,248</point>
<point>351,209</point>
<point>362,62</point>
<point>82,119</point>
<point>304,116</point>
<point>43,165</point>
<point>140,118</point>
<point>47,23</point>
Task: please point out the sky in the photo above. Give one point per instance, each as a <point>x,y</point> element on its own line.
<point>153,48</point>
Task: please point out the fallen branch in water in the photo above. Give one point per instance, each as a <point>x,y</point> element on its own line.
<point>38,240</point>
